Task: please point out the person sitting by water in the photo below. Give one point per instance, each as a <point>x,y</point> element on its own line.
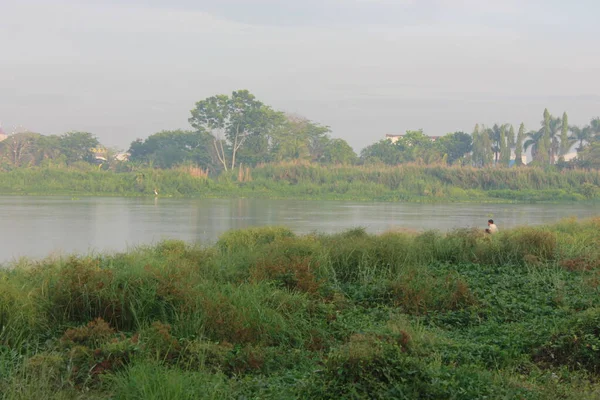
<point>492,228</point>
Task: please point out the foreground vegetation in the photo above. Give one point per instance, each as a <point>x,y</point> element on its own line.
<point>268,314</point>
<point>303,180</point>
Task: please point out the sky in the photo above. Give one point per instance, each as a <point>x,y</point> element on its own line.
<point>125,69</point>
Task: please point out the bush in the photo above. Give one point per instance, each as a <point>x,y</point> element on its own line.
<point>576,344</point>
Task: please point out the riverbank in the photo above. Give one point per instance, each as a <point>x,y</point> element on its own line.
<point>409,183</point>
<point>268,314</point>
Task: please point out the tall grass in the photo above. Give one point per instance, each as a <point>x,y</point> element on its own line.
<point>268,314</point>
<point>407,182</point>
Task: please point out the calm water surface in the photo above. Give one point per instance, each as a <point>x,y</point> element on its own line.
<point>40,226</point>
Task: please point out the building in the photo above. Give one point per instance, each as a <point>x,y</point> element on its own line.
<point>100,154</point>
<point>3,134</point>
<point>570,156</point>
<point>122,157</point>
<point>395,138</point>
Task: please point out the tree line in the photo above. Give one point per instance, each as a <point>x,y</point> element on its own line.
<point>238,129</point>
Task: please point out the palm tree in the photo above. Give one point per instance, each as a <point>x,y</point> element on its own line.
<point>533,141</point>
<point>581,135</point>
<point>554,133</point>
<point>495,134</point>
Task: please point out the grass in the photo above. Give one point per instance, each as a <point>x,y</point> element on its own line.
<point>300,180</point>
<point>268,314</point>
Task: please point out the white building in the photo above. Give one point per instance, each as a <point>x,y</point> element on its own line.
<point>394,138</point>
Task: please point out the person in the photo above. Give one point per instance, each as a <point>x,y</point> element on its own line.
<point>492,228</point>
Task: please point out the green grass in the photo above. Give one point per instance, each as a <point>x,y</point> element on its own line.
<point>407,182</point>
<point>266,314</point>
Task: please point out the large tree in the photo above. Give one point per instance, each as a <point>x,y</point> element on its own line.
<point>455,145</point>
<point>291,140</point>
<point>495,133</point>
<point>19,149</point>
<point>542,140</point>
<point>48,148</point>
<point>169,148</point>
<point>231,120</point>
<point>415,146</point>
<point>383,151</point>
<point>482,147</point>
<point>77,146</point>
<point>338,151</point>
<point>511,137</point>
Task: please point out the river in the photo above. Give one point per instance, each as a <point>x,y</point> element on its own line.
<point>36,227</point>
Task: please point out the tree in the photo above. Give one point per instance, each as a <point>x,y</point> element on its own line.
<point>456,145</point>
<point>494,134</point>
<point>519,145</point>
<point>318,139</point>
<point>590,156</point>
<point>504,149</point>
<point>533,142</point>
<point>77,146</point>
<point>338,151</point>
<point>258,146</point>
<point>482,147</point>
<point>511,137</point>
<point>580,135</point>
<point>415,146</point>
<point>291,139</point>
<point>547,141</point>
<point>595,126</point>
<point>565,143</point>
<point>166,149</point>
<point>19,149</point>
<point>48,148</point>
<point>383,151</point>
<point>231,121</point>
<point>543,139</point>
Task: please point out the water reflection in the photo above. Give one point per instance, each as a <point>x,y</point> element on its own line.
<point>39,226</point>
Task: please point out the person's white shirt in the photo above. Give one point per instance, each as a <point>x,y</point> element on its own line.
<point>493,228</point>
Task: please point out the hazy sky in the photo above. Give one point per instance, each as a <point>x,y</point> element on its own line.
<point>124,69</point>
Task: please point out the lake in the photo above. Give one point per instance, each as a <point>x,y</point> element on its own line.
<point>40,226</point>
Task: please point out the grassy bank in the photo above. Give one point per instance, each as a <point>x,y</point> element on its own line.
<point>312,181</point>
<point>268,314</point>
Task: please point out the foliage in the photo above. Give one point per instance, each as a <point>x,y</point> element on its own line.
<point>268,314</point>
<point>303,180</point>
<point>456,146</point>
<point>233,120</point>
<point>168,149</point>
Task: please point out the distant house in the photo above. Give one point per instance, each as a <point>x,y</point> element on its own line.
<point>122,157</point>
<point>3,135</point>
<point>395,138</point>
<point>570,156</point>
<point>101,154</point>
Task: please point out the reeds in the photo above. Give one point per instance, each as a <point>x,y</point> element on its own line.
<point>407,182</point>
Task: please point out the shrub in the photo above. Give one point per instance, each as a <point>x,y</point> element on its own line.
<point>249,239</point>
<point>576,344</point>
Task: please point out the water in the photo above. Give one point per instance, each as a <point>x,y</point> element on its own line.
<point>40,226</point>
